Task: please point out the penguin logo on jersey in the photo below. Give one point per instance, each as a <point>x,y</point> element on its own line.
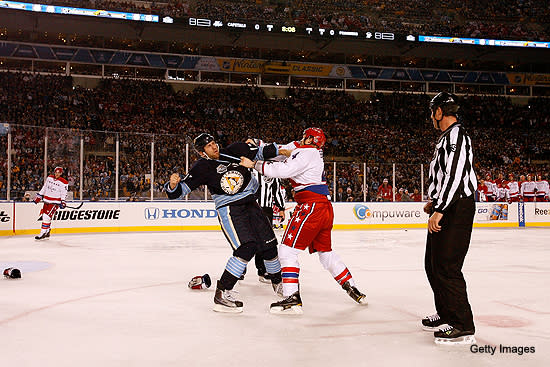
<point>231,182</point>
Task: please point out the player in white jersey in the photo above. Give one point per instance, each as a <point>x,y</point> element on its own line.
<point>492,190</point>
<point>512,187</point>
<point>528,188</point>
<point>502,193</point>
<point>311,224</point>
<point>53,193</point>
<point>542,189</point>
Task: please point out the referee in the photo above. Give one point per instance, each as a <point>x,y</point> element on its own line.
<point>452,184</point>
<point>267,195</point>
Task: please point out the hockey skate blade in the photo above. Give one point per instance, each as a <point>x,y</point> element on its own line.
<point>461,340</point>
<point>225,309</point>
<point>362,301</point>
<point>433,329</point>
<point>292,310</point>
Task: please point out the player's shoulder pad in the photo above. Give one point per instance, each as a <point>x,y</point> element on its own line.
<point>63,180</point>
<point>301,153</point>
<point>51,176</point>
<point>307,150</point>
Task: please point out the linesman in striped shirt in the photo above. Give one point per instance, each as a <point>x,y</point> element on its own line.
<point>267,195</point>
<point>452,184</point>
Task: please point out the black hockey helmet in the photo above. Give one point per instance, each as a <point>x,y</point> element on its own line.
<point>448,103</point>
<point>12,273</point>
<point>201,140</point>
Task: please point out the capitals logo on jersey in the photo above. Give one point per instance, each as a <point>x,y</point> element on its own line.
<point>231,182</point>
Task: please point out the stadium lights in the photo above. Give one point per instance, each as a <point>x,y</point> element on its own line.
<point>484,42</point>
<point>68,10</point>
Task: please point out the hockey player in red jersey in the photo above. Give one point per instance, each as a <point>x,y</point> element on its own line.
<point>311,224</point>
<point>53,193</point>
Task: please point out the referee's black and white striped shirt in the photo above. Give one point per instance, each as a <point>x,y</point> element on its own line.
<point>451,173</point>
<point>269,193</point>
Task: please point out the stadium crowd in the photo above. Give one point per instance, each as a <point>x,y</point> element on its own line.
<point>516,19</point>
<point>364,136</point>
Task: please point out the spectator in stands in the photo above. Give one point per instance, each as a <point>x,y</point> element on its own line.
<point>340,194</point>
<point>405,196</point>
<point>385,192</point>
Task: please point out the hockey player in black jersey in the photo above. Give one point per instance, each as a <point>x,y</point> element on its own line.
<point>243,223</point>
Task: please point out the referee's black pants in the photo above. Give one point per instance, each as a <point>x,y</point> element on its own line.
<point>445,253</point>
<point>258,259</point>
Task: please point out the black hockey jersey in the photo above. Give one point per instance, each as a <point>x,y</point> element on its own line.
<point>227,181</point>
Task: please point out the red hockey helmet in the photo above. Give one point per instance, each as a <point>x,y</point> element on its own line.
<point>317,134</point>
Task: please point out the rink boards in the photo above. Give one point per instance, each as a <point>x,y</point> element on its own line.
<point>24,218</point>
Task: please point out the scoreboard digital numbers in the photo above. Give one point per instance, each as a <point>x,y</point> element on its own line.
<point>307,31</point>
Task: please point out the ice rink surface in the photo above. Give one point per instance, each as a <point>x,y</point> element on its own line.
<point>122,300</point>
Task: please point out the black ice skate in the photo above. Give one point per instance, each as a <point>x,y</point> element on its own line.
<point>450,336</point>
<point>433,323</point>
<point>224,301</point>
<point>264,278</point>
<point>43,236</point>
<point>291,305</point>
<point>355,294</point>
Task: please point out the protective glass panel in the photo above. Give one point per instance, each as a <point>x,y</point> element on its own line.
<point>200,192</point>
<point>407,182</point>
<point>169,158</point>
<point>4,128</point>
<point>329,176</point>
<point>27,160</point>
<point>64,151</point>
<point>99,165</point>
<point>349,182</point>
<point>379,182</point>
<point>426,176</point>
<point>135,167</point>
